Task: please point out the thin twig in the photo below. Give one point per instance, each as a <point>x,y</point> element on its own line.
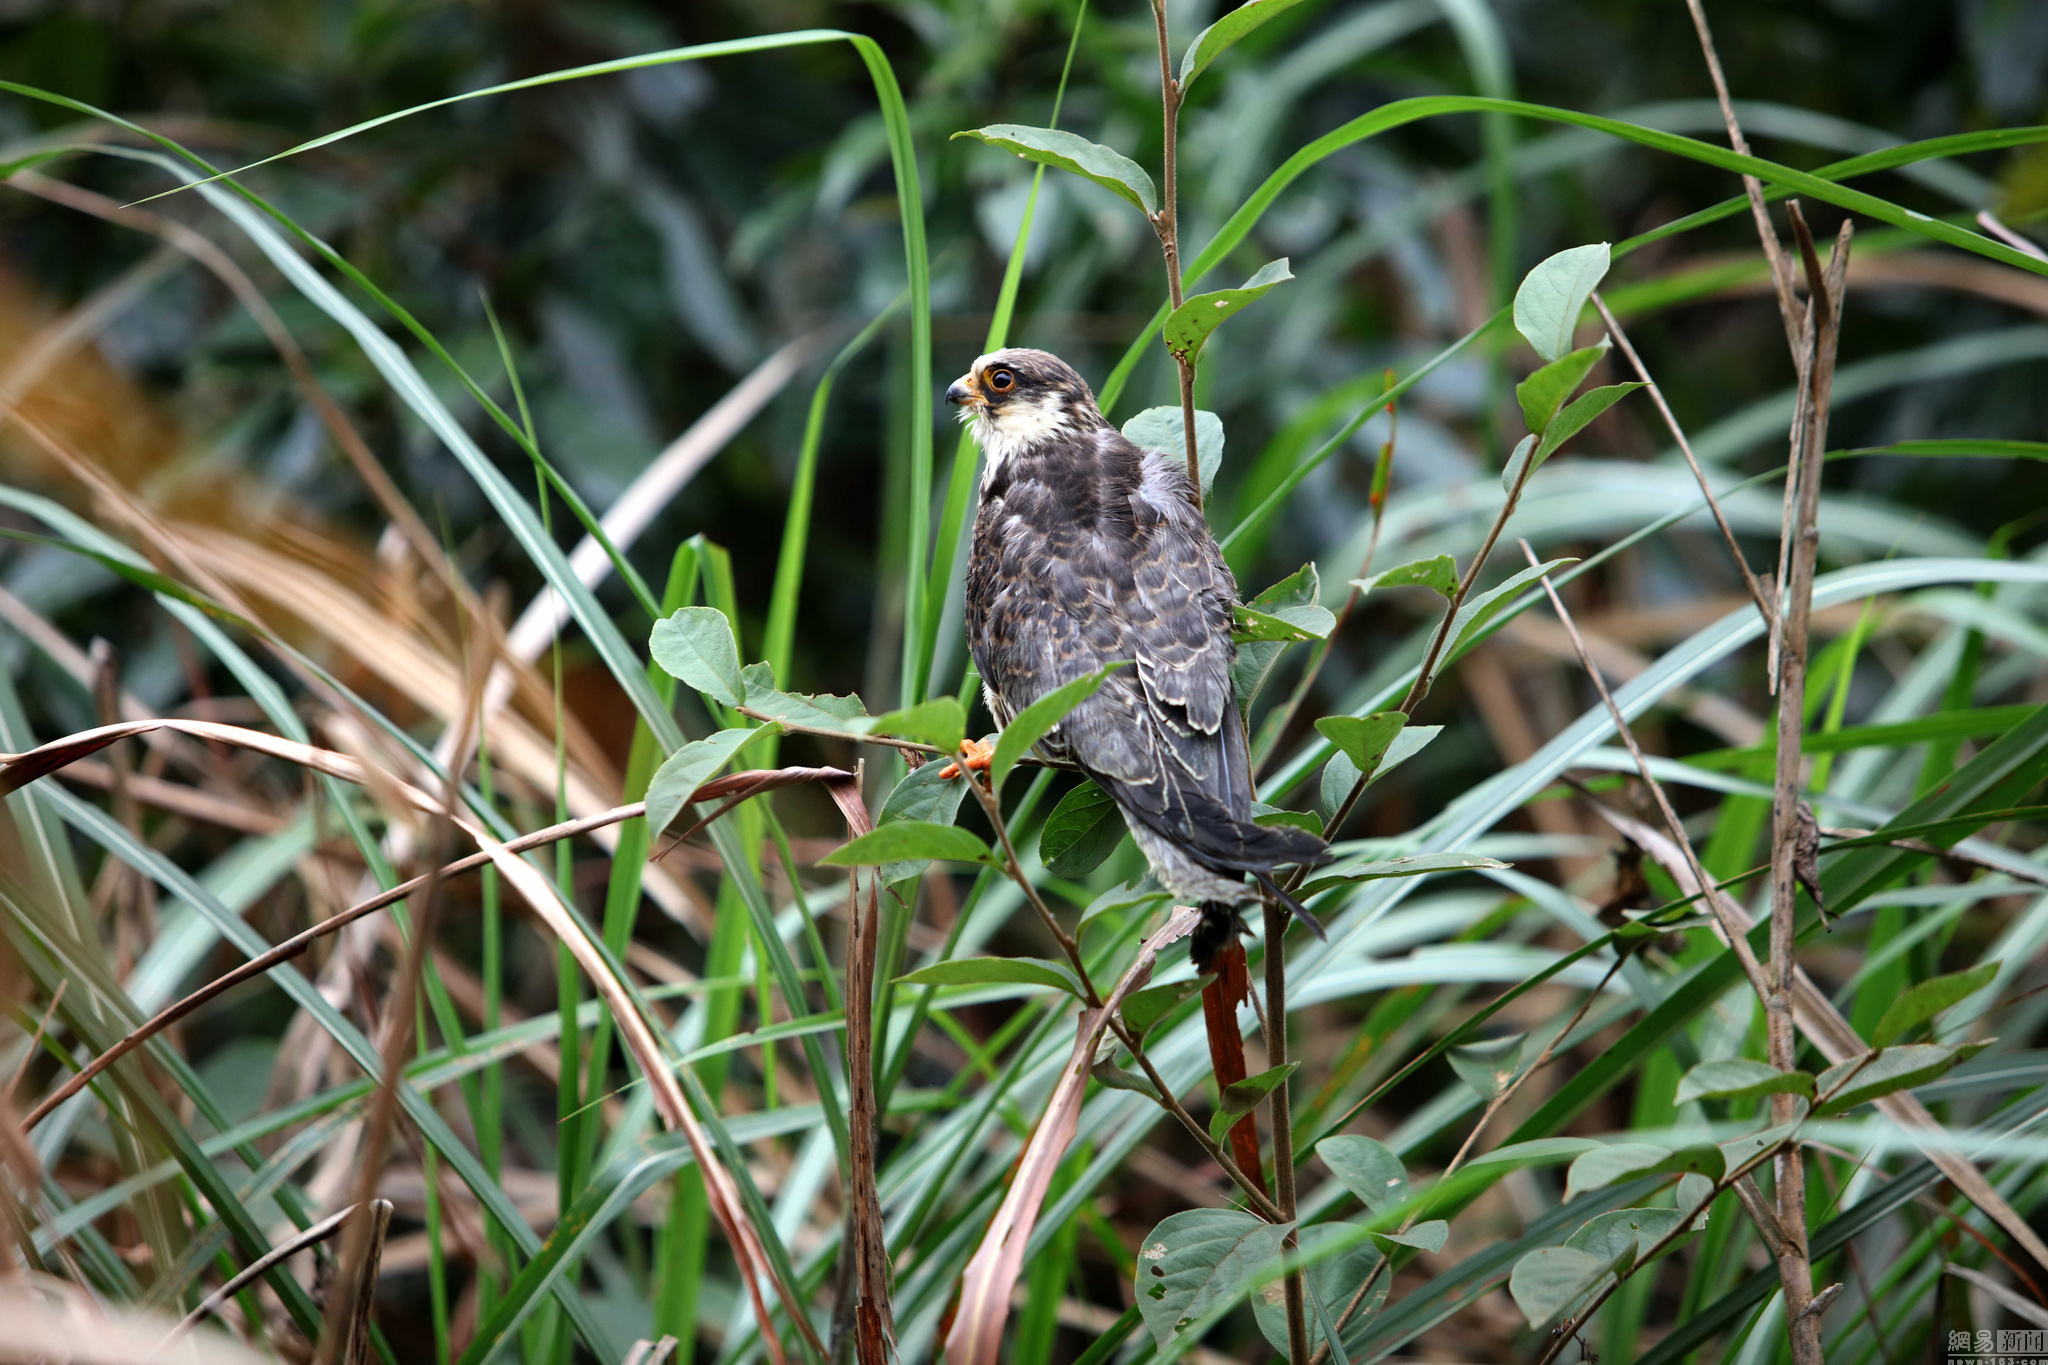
<point>1254,1193</point>
<point>1278,917</point>
<point>1166,222</point>
<point>1749,579</point>
<point>1015,867</point>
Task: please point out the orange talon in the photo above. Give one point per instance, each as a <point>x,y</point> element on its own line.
<point>974,753</point>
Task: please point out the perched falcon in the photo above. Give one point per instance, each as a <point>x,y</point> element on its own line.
<point>1088,550</point>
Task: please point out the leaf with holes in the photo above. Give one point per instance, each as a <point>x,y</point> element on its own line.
<point>1284,625</point>
<point>900,839</point>
<point>996,971</point>
<point>1921,1002</point>
<point>1367,1168</point>
<point>1740,1078</point>
<point>1244,1096</point>
<point>1255,660</point>
<point>1164,430</point>
<point>695,647</point>
<point>1548,304</point>
<point>1544,392</point>
<point>1618,1161</point>
<point>1034,721</point>
<point>1189,326</point>
<point>1439,575</point>
<point>689,768</point>
<point>1200,1261</point>
<point>1082,831</point>
<point>1068,152</point>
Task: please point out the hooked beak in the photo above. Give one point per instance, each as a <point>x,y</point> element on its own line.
<point>962,392</point>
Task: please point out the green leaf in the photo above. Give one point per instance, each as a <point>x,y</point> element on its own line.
<point>1619,1161</point>
<point>1244,1096</point>
<point>910,839</point>
<point>1543,392</point>
<point>1473,616</point>
<point>1068,152</point>
<point>1143,1009</point>
<point>1363,739</point>
<point>1034,721</point>
<point>695,647</point>
<point>1213,41</point>
<point>1340,775</point>
<point>1189,326</point>
<point>1741,1151</point>
<point>1517,467</point>
<point>1082,831</point>
<point>1263,814</point>
<point>1625,1236</point>
<point>1578,413</point>
<point>823,712</point>
<point>687,769</point>
<point>1439,574</point>
<point>1739,1078</point>
<point>1285,625</point>
<point>1429,1236</point>
<point>1199,1261</point>
<point>1340,1256</point>
<point>1552,296</point>
<point>989,971</point>
<point>1129,896</point>
<point>1116,1078</point>
<point>1162,429</point>
<point>1859,1080</point>
<point>1255,660</point>
<point>1488,1067</point>
<point>1548,1284</point>
<point>940,722</point>
<point>1367,1168</point>
<point>922,795</point>
<point>1922,1002</point>
<point>1420,865</point>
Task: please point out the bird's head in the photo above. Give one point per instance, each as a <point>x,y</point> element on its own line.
<point>1020,398</point>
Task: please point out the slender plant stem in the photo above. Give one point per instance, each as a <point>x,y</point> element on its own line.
<point>1277,920</point>
<point>1254,1193</point>
<point>1167,223</point>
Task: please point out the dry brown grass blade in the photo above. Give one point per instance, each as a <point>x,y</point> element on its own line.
<point>873,1318</point>
<point>641,1040</point>
<point>1836,1039</point>
<point>752,781</point>
<point>976,1336</point>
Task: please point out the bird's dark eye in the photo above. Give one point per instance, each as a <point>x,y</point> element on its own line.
<point>1002,380</point>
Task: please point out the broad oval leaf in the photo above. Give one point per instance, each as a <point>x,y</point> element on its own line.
<point>1578,414</point>
<point>1070,152</point>
<point>1473,616</point>
<point>1082,831</point>
<point>1144,1009</point>
<point>900,839</point>
<point>991,971</point>
<point>1189,326</point>
<point>1199,1261</point>
<point>1255,660</point>
<point>1548,304</point>
<point>695,647</point>
<point>925,795</point>
<point>1340,1257</point>
<point>1283,625</point>
<point>687,769</point>
<point>1488,1067</point>
<point>1922,1002</point>
<point>1242,1097</point>
<point>1340,775</point>
<point>1549,1284</point>
<point>1163,429</point>
<point>1034,721</point>
<point>1363,739</point>
<point>1740,1078</point>
<point>1368,1168</point>
<point>1213,41</point>
<point>1618,1161</point>
<point>1625,1236</point>
<point>1440,574</point>
<point>1429,1236</point>
<point>940,722</point>
<point>1544,392</point>
<point>1859,1080</point>
<point>824,712</point>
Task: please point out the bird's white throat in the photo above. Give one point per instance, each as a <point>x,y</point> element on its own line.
<point>1014,426</point>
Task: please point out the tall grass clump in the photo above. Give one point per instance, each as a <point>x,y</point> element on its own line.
<point>483,873</point>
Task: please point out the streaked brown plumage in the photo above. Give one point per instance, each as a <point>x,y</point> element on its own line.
<point>1088,550</point>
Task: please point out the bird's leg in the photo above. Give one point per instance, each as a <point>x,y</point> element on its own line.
<point>976,754</point>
